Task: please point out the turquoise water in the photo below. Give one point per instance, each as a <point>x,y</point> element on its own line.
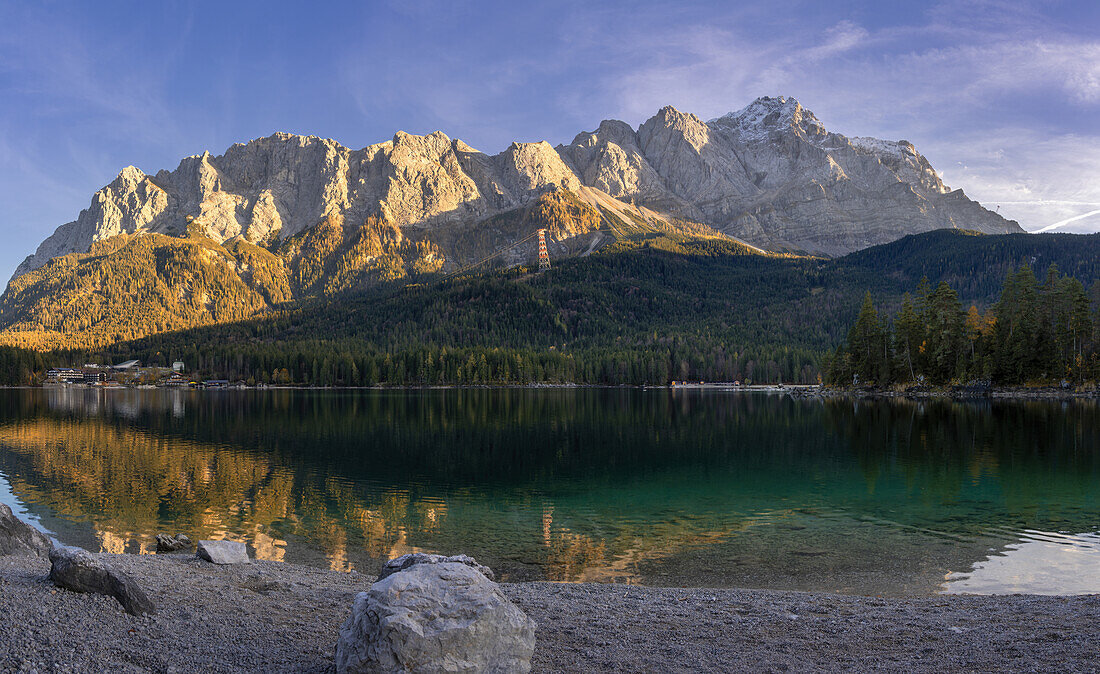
<point>659,487</point>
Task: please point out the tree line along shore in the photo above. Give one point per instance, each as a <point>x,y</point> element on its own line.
<point>1037,336</point>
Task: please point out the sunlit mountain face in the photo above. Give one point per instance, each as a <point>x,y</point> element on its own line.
<point>656,487</point>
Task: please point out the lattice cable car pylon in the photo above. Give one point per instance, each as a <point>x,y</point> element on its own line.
<point>544,256</point>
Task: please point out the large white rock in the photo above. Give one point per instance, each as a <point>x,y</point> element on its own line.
<point>413,558</point>
<point>441,617</point>
<point>223,552</point>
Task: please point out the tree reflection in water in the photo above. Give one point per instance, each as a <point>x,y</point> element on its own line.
<point>666,487</point>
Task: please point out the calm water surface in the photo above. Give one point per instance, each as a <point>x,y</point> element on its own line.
<point>687,488</point>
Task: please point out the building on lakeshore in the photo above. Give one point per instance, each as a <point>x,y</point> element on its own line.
<point>91,376</point>
<point>176,381</point>
<point>64,375</point>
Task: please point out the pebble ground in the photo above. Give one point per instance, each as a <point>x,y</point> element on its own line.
<point>273,617</point>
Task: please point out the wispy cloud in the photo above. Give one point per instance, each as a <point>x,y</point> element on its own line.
<point>998,106</point>
<point>68,120</point>
<point>850,69</point>
<point>1034,178</point>
<point>50,68</point>
<point>1001,95</point>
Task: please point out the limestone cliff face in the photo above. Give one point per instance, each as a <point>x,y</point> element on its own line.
<point>770,174</point>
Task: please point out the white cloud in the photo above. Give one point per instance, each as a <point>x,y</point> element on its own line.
<point>1034,179</point>
<point>841,38</point>
<point>995,111</point>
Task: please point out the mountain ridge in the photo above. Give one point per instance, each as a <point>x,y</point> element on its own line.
<point>769,174</point>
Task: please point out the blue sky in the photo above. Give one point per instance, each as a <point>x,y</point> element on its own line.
<point>1002,97</point>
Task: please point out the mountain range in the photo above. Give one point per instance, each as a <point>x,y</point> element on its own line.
<point>288,217</point>
<point>769,174</point>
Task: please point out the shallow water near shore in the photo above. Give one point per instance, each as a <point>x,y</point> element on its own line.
<point>659,487</point>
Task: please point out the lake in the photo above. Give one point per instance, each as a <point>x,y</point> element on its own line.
<point>658,487</point>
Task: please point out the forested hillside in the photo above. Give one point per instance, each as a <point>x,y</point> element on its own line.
<point>976,265</point>
<point>129,286</point>
<point>647,309</point>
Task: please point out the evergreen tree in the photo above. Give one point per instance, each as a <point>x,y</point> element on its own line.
<point>869,345</point>
<point>945,327</point>
<point>909,332</point>
<point>1017,334</point>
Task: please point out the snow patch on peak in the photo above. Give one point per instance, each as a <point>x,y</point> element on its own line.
<point>897,148</point>
<point>757,120</point>
<point>756,111</point>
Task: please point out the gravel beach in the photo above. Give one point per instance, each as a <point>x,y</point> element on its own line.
<point>271,616</point>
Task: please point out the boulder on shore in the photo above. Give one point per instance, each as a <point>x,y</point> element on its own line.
<point>223,552</point>
<point>166,543</point>
<point>413,558</point>
<point>19,538</point>
<point>435,617</point>
<point>76,569</point>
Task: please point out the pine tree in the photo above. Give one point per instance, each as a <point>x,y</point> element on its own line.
<point>1016,337</point>
<point>945,325</point>
<point>908,337</point>
<point>868,344</point>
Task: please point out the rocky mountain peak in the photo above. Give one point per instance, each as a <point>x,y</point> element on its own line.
<point>609,131</point>
<point>534,166</point>
<point>671,128</point>
<point>758,120</point>
<point>131,175</point>
<point>769,174</point>
<point>670,117</point>
<point>433,144</point>
<point>461,146</point>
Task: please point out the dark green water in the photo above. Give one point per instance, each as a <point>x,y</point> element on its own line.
<point>696,488</point>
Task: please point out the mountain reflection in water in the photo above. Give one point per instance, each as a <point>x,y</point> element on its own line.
<point>658,487</point>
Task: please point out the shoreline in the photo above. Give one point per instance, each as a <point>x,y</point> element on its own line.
<point>802,391</point>
<point>276,616</point>
<point>1007,393</point>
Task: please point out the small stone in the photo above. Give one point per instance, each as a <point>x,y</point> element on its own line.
<point>223,552</point>
<point>76,569</point>
<point>406,561</point>
<point>166,543</point>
